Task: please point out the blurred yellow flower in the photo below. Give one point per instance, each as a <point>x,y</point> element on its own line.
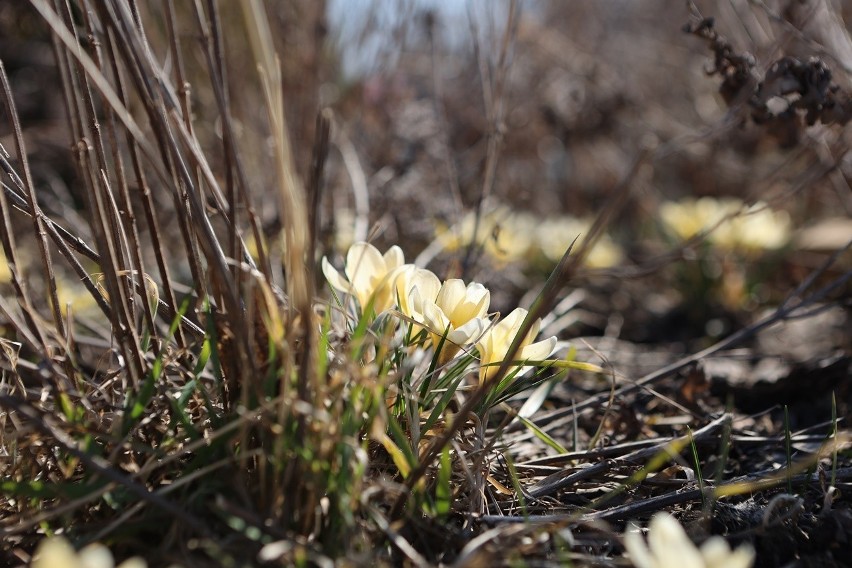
<point>756,228</point>
<point>555,235</point>
<point>56,552</point>
<point>668,545</point>
<point>494,345</point>
<point>504,236</point>
<point>74,295</point>
<point>369,275</point>
<point>688,217</point>
<point>344,229</point>
<point>734,226</point>
<point>508,236</point>
<point>5,271</point>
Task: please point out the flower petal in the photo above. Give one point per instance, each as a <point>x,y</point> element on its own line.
<point>512,322</point>
<point>365,267</point>
<point>96,555</point>
<point>469,332</point>
<point>335,279</point>
<point>537,351</point>
<point>427,283</point>
<point>406,279</point>
<point>435,318</point>
<point>717,554</point>
<point>394,258</point>
<point>636,548</point>
<point>669,543</point>
<point>55,551</point>
<point>451,294</point>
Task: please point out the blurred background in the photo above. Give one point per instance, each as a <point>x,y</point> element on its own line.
<point>484,137</point>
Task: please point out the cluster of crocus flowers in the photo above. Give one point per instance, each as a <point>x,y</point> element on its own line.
<point>668,545</point>
<point>730,224</point>
<point>453,314</point>
<point>56,552</point>
<point>518,237</point>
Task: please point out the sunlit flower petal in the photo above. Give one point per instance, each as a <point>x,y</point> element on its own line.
<point>717,554</point>
<point>469,332</point>
<point>539,350</point>
<point>368,275</point>
<point>56,552</point>
<point>462,304</point>
<point>637,550</point>
<point>455,310</point>
<point>335,279</point>
<point>494,345</point>
<point>668,545</point>
<point>394,258</point>
<point>414,286</point>
<point>365,266</point>
<point>734,226</point>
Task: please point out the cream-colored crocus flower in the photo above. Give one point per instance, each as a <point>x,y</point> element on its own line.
<point>668,545</point>
<point>494,345</point>
<point>505,236</point>
<point>688,217</point>
<point>368,275</point>
<point>413,286</point>
<point>459,311</point>
<point>510,239</point>
<point>734,226</point>
<point>555,235</point>
<point>56,552</point>
<point>756,228</point>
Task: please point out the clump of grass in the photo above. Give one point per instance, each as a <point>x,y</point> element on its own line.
<point>214,407</point>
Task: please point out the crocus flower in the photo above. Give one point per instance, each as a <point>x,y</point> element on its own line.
<point>56,552</point>
<point>494,345</point>
<point>555,235</point>
<point>506,236</point>
<point>459,312</point>
<point>736,227</point>
<point>668,545</point>
<point>368,275</point>
<point>413,286</point>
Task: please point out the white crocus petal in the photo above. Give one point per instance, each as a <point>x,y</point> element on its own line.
<point>335,279</point>
<point>435,318</point>
<point>96,555</point>
<point>462,304</point>
<point>365,268</point>
<point>409,279</point>
<point>637,550</point>
<point>538,351</point>
<point>55,552</point>
<point>394,258</point>
<point>427,285</point>
<point>742,557</point>
<point>669,544</point>
<point>494,346</point>
<point>469,332</point>
<point>368,275</point>
<point>134,562</point>
<point>715,551</point>
<point>717,554</point>
<point>451,294</point>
